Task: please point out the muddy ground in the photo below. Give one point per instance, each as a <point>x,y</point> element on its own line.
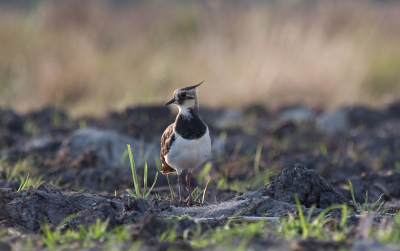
<point>311,153</point>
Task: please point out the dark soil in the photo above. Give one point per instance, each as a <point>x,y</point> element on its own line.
<point>84,155</point>
<point>309,188</point>
<point>47,203</point>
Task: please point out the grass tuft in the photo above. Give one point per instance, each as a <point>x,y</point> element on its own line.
<point>85,236</point>
<point>366,207</point>
<point>134,177</point>
<point>306,227</point>
<point>23,183</point>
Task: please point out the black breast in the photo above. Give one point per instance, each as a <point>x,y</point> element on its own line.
<point>190,127</point>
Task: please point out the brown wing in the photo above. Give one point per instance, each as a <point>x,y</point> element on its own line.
<point>167,139</point>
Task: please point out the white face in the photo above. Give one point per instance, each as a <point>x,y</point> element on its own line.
<point>188,104</point>
<point>185,100</point>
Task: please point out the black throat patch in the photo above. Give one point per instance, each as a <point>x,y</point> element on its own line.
<point>190,127</point>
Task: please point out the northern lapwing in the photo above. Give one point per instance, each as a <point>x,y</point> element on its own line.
<point>185,144</point>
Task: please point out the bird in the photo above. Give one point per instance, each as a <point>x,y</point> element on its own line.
<point>186,143</point>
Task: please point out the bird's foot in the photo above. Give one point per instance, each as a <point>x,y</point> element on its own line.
<point>191,202</point>
<point>181,201</point>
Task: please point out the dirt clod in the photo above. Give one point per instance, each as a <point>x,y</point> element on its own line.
<point>306,184</point>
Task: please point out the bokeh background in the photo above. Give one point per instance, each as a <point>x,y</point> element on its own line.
<point>92,56</point>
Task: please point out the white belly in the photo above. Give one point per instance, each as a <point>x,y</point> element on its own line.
<point>188,154</point>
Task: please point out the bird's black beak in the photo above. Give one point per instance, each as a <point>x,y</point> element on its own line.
<point>170,102</point>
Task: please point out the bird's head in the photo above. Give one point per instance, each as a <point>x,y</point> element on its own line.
<point>185,98</point>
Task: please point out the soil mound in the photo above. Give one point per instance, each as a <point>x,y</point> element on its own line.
<point>310,188</point>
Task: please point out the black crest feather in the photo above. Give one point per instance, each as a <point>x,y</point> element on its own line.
<point>191,87</point>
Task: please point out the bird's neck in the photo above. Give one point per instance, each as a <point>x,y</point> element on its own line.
<point>189,111</point>
<point>189,125</point>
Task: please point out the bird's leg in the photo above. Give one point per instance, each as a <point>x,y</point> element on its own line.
<point>179,187</point>
<point>190,201</point>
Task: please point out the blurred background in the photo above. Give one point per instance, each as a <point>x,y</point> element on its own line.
<point>92,56</point>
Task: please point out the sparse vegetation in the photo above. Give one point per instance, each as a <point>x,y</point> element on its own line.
<point>135,181</point>
<point>375,207</point>
<point>23,183</point>
<point>85,236</point>
<point>19,172</point>
<point>314,227</point>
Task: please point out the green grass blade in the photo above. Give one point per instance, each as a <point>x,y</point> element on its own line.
<point>163,235</point>
<point>323,149</point>
<point>358,207</point>
<point>221,183</point>
<point>145,180</point>
<point>49,240</point>
<point>194,190</point>
<point>376,202</point>
<point>170,188</point>
<point>380,206</point>
<point>38,180</point>
<point>301,216</point>
<point>397,165</point>
<point>148,152</point>
<point>198,195</point>
<point>23,183</point>
<point>343,221</point>
<point>154,183</point>
<point>205,189</point>
<point>158,163</point>
<point>58,180</point>
<point>65,220</point>
<point>131,193</point>
<point>203,173</point>
<point>310,213</point>
<point>26,181</point>
<point>266,177</point>
<point>257,160</point>
<point>83,231</point>
<point>132,162</point>
<point>365,207</point>
<point>123,157</point>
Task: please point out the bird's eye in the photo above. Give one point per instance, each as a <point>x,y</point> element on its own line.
<point>183,95</point>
